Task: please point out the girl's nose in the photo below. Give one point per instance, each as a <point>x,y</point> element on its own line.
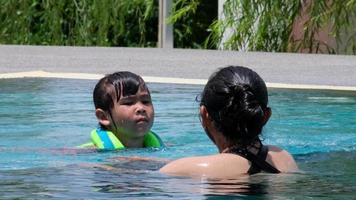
<point>140,108</point>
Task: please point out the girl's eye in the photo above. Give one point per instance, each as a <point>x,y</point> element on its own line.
<point>127,103</point>
<point>146,102</point>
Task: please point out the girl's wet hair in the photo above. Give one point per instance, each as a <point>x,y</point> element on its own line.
<point>236,98</point>
<point>114,86</point>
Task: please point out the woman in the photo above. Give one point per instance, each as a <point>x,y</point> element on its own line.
<point>233,111</point>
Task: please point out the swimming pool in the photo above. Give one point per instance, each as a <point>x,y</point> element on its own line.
<point>42,120</point>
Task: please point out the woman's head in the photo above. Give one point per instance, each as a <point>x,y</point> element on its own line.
<point>236,100</point>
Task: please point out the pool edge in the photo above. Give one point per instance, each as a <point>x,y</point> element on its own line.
<point>154,79</point>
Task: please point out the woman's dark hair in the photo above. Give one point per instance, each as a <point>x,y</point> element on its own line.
<point>236,98</point>
<point>112,86</point>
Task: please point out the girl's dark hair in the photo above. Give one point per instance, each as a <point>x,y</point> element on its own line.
<point>236,98</point>
<point>112,86</point>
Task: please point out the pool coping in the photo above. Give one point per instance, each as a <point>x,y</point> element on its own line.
<point>183,66</point>
<point>152,79</point>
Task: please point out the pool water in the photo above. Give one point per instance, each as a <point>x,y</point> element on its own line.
<point>43,120</point>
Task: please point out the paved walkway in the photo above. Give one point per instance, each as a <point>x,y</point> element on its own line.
<point>277,68</point>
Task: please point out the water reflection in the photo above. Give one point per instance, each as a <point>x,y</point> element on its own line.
<point>133,179</point>
<point>241,186</point>
<point>140,178</point>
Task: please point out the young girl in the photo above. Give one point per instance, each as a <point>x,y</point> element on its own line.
<point>234,109</point>
<point>125,113</point>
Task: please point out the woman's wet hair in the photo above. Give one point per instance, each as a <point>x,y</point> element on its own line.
<point>114,86</point>
<point>236,98</point>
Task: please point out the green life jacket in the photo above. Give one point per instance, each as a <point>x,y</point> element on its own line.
<point>106,140</point>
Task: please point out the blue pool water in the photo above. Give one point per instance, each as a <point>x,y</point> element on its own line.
<point>43,120</point>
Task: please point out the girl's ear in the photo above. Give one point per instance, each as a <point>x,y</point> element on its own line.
<point>102,117</point>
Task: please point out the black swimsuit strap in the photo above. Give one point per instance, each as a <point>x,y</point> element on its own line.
<point>258,162</point>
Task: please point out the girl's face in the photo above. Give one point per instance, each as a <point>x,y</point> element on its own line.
<point>132,116</point>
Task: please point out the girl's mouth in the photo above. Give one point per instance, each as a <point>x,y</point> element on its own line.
<point>142,120</point>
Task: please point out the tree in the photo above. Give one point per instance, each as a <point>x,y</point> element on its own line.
<point>191,21</point>
<point>79,22</point>
<point>273,25</point>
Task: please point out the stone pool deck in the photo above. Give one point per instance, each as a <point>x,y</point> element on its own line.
<point>178,65</point>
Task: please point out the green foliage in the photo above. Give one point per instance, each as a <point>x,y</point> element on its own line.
<point>191,19</point>
<point>254,25</point>
<point>79,22</point>
<point>267,25</point>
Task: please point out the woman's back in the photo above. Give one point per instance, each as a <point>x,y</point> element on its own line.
<point>227,165</point>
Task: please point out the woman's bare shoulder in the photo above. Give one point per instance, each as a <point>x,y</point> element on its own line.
<point>281,159</point>
<point>214,166</point>
<point>186,165</point>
